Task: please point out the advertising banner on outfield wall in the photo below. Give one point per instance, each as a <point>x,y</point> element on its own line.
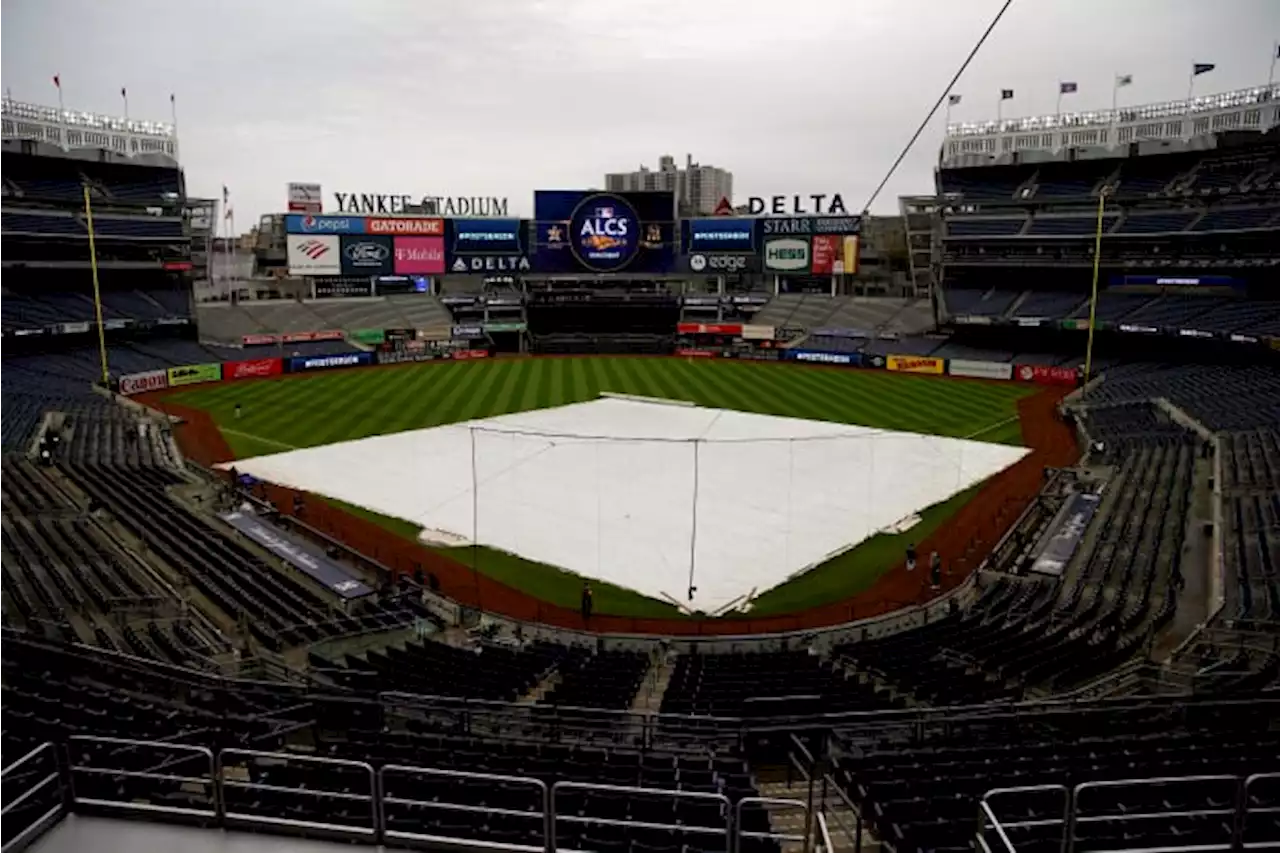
<point>324,362</point>
<point>319,254</point>
<point>407,356</point>
<point>979,369</point>
<point>1044,374</point>
<point>369,336</point>
<point>193,374</point>
<point>847,359</point>
<point>148,380</point>
<point>757,333</point>
<point>468,354</point>
<point>915,364</point>
<point>709,329</point>
<point>464,333</point>
<point>253,368</point>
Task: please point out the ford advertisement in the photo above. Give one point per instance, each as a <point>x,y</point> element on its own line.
<point>367,256</point>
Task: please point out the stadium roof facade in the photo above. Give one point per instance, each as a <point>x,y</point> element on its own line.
<point>1100,132</point>
<point>69,129</point>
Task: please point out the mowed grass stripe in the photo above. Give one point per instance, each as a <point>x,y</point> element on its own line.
<point>312,410</point>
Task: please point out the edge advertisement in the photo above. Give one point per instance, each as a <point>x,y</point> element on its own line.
<point>194,374</point>
<point>916,364</point>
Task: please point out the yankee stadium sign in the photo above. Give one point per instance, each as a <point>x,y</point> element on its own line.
<point>432,205</point>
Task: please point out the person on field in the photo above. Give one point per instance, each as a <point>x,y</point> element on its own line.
<point>237,411</point>
<point>935,571</point>
<point>587,600</point>
<point>911,557</point>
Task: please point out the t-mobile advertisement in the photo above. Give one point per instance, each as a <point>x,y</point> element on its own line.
<point>419,255</point>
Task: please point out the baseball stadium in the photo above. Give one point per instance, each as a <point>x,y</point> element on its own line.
<point>623,530</point>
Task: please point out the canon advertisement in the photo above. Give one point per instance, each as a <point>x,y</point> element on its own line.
<point>580,231</point>
<point>487,246</point>
<point>367,256</point>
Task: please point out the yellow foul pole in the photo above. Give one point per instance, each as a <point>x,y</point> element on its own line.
<point>97,293</point>
<point>1093,298</point>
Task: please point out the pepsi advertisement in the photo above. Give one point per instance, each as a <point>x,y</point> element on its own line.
<point>583,231</point>
<point>487,246</point>
<point>310,224</point>
<point>723,235</point>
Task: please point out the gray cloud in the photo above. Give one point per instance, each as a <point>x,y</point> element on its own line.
<point>500,97</point>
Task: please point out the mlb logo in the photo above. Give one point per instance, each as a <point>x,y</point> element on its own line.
<point>604,212</point>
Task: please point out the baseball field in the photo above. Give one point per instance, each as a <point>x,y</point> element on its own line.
<point>305,411</point>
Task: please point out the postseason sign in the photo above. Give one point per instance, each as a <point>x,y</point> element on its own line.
<point>719,235</point>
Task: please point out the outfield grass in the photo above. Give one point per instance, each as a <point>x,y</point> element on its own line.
<point>324,408</point>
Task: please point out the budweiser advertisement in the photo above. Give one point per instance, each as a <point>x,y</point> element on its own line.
<point>252,368</point>
<point>709,328</point>
<point>915,364</point>
<point>1046,374</point>
<point>150,380</point>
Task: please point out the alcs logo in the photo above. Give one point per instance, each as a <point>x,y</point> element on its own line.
<point>604,232</point>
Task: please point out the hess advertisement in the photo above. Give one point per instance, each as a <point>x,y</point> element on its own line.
<point>487,246</point>
<point>584,231</point>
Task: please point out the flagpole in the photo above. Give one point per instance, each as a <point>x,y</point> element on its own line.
<point>1057,110</point>
<point>124,95</point>
<point>97,293</point>
<point>1191,86</point>
<point>1275,54</point>
<point>1000,111</point>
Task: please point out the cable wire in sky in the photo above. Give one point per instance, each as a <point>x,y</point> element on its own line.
<point>945,93</point>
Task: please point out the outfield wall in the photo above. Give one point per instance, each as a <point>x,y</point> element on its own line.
<point>963,542</point>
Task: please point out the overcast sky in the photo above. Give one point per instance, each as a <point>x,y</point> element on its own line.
<point>500,97</point>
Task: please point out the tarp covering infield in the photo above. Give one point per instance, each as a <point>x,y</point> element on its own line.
<point>630,492</point>
<point>963,541</point>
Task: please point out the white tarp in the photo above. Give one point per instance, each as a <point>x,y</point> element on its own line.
<point>606,488</point>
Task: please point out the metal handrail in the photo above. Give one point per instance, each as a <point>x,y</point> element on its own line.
<point>46,819</point>
<point>738,833</point>
<point>676,795</point>
<point>188,750</point>
<point>538,785</point>
<point>372,797</point>
<point>827,846</point>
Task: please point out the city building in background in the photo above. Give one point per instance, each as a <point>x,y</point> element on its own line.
<point>698,188</point>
